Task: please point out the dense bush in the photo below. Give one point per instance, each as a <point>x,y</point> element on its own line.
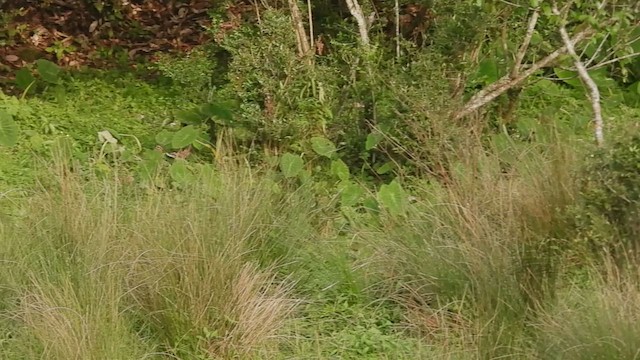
<point>610,210</point>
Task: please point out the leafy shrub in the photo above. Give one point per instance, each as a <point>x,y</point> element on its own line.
<point>610,206</point>
<point>192,71</point>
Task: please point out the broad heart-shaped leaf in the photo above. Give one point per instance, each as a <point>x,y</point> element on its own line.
<point>48,71</point>
<point>24,78</point>
<point>191,117</point>
<point>219,113</point>
<point>291,165</point>
<point>350,193</point>
<point>373,140</point>
<point>393,198</point>
<point>148,167</point>
<point>180,173</point>
<point>340,169</point>
<point>323,146</point>
<point>8,129</point>
<point>164,137</point>
<point>184,137</point>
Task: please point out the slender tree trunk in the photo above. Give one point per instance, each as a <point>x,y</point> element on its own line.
<point>298,25</point>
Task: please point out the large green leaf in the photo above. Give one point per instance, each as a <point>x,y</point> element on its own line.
<point>184,137</point>
<point>340,169</point>
<point>9,129</point>
<point>180,173</point>
<point>190,116</point>
<point>323,146</point>
<point>373,140</point>
<point>291,165</point>
<point>219,113</point>
<point>48,71</point>
<point>164,137</point>
<point>148,167</point>
<point>350,193</point>
<point>24,78</point>
<point>393,198</point>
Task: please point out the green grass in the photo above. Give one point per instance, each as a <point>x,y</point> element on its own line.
<point>83,105</point>
<point>241,263</point>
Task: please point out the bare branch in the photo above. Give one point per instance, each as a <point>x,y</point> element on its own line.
<point>594,92</point>
<point>612,61</point>
<point>531,28</point>
<point>358,14</point>
<point>505,83</point>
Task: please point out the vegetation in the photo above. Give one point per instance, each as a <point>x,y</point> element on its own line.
<point>439,180</point>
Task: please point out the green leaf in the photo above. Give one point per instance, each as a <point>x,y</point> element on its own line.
<point>222,114</point>
<point>48,71</point>
<point>340,169</point>
<point>9,129</point>
<point>373,140</point>
<point>488,71</point>
<point>190,117</point>
<point>164,137</point>
<point>371,204</point>
<point>350,193</point>
<point>184,137</point>
<point>569,77</point>
<point>393,198</point>
<point>291,165</point>
<point>180,173</point>
<point>323,146</point>
<point>385,168</point>
<point>148,167</point>
<point>24,79</point>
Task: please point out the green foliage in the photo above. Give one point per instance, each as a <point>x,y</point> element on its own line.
<point>291,165</point>
<point>323,146</point>
<point>192,71</point>
<point>8,129</point>
<point>607,217</point>
<point>393,198</point>
<point>47,71</point>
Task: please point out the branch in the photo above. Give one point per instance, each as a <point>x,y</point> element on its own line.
<point>594,93</point>
<point>608,62</point>
<point>356,12</point>
<point>505,83</point>
<point>522,51</point>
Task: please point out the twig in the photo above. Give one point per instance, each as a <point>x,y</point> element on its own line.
<point>605,63</point>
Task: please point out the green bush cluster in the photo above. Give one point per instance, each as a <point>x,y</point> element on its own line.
<point>610,206</point>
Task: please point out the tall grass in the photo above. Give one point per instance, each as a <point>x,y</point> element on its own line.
<point>474,260</point>
<point>97,271</point>
<point>599,320</point>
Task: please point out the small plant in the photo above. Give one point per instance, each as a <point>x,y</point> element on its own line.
<point>46,71</point>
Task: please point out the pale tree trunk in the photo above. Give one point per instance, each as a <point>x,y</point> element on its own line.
<point>358,14</point>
